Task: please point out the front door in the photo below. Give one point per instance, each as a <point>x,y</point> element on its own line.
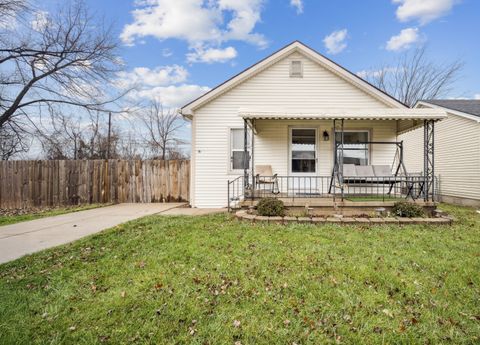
<point>303,160</point>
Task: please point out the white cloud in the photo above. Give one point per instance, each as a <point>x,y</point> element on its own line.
<point>159,76</point>
<point>335,42</point>
<point>173,96</point>
<point>298,4</point>
<point>211,55</point>
<point>39,21</point>
<point>167,52</point>
<point>423,10</point>
<point>403,40</point>
<point>477,96</point>
<point>195,21</point>
<point>166,84</point>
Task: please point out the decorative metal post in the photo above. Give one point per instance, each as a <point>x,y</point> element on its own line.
<point>245,156</point>
<point>428,160</point>
<point>342,136</point>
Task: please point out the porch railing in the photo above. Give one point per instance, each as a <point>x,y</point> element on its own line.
<point>293,187</point>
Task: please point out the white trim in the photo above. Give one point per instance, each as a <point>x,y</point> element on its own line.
<point>369,146</point>
<point>448,110</point>
<point>290,129</point>
<point>230,170</point>
<point>192,162</point>
<point>296,46</point>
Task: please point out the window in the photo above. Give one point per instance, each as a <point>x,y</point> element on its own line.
<point>296,69</point>
<point>353,151</point>
<point>237,151</point>
<point>303,150</point>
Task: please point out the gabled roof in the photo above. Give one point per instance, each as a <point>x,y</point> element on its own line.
<point>295,46</point>
<point>468,108</point>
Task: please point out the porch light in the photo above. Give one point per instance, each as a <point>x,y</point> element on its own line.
<point>326,137</point>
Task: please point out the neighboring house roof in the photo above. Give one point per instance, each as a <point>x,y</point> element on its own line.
<point>469,108</point>
<point>278,55</point>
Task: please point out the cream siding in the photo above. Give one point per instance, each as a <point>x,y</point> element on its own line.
<point>271,145</point>
<point>273,88</point>
<point>457,155</point>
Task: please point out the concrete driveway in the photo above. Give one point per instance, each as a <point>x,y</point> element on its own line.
<point>19,239</point>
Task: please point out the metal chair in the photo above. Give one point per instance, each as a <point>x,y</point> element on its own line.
<point>265,176</point>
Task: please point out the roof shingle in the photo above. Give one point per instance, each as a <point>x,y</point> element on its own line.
<point>469,106</point>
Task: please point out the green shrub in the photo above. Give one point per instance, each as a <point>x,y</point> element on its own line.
<point>407,209</point>
<point>270,207</point>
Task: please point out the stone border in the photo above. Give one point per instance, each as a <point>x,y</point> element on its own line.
<point>244,216</point>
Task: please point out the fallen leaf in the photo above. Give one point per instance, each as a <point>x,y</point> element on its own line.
<point>286,322</point>
<point>387,312</point>
<point>122,294</point>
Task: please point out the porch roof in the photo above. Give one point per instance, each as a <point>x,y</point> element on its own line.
<point>347,114</point>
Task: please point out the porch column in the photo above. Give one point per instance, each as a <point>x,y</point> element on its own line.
<point>252,156</point>
<point>245,154</point>
<point>428,159</point>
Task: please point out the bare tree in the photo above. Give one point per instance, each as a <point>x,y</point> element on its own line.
<point>60,137</point>
<point>10,8</point>
<point>65,60</point>
<point>12,142</point>
<point>414,77</point>
<point>161,128</point>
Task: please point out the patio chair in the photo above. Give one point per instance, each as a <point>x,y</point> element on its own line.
<point>266,177</point>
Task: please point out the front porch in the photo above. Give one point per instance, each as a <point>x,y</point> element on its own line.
<point>364,172</point>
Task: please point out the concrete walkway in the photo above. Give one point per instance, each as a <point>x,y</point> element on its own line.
<point>19,239</point>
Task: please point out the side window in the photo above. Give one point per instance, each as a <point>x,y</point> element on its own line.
<point>237,152</point>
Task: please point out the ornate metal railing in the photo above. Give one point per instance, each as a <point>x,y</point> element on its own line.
<point>354,188</point>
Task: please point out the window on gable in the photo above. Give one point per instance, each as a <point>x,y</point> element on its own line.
<point>296,69</point>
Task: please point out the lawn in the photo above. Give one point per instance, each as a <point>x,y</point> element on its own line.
<point>17,216</point>
<point>213,280</point>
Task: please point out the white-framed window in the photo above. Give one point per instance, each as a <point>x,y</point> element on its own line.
<point>237,150</point>
<point>296,69</point>
<point>355,151</point>
<point>303,150</point>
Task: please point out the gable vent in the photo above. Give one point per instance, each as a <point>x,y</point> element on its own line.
<point>296,69</point>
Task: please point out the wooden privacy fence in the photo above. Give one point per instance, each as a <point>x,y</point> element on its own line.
<point>52,183</point>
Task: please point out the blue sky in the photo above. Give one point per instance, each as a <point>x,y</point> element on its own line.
<point>198,44</point>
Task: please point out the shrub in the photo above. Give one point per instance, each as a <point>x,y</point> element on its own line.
<point>407,209</point>
<point>270,207</point>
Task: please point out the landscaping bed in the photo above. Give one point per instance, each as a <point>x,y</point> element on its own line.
<point>339,219</point>
<point>273,210</point>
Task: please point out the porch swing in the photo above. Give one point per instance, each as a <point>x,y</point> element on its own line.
<point>374,176</point>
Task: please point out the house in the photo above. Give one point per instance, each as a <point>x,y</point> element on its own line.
<point>287,115</point>
<point>457,151</point>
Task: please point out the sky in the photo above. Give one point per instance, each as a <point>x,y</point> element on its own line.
<point>176,50</point>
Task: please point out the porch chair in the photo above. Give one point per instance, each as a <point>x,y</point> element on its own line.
<point>265,176</point>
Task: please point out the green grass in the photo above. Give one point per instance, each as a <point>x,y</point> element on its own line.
<point>213,280</point>
<point>17,218</point>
